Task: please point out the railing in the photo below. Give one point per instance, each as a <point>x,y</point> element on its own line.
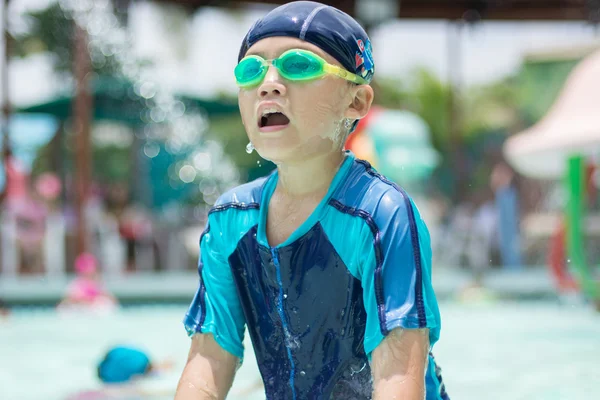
<point>51,254</point>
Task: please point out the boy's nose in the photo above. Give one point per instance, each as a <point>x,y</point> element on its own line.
<point>272,84</point>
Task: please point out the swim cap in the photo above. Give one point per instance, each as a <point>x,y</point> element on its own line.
<point>332,30</point>
<point>123,363</point>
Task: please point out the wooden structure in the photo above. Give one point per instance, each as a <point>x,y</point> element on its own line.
<point>470,10</point>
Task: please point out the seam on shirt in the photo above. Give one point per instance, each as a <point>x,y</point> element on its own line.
<point>284,321</point>
<point>237,206</point>
<point>309,19</point>
<point>414,233</point>
<point>202,287</point>
<point>378,257</point>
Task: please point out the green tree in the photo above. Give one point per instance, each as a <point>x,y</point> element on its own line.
<point>51,30</point>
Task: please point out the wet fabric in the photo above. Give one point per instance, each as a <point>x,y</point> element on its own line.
<point>317,305</point>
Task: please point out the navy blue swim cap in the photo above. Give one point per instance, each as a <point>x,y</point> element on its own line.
<point>328,28</point>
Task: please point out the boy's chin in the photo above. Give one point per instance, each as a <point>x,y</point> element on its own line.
<point>275,155</point>
<point>278,152</point>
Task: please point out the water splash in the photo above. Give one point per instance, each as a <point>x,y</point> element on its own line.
<point>291,342</point>
<point>353,371</point>
<point>167,122</point>
<point>249,148</point>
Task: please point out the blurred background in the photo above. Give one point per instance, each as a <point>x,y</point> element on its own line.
<point>120,129</point>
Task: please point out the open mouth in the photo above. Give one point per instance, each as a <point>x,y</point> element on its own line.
<point>270,119</point>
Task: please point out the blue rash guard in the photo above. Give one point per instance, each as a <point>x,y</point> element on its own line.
<point>317,305</point>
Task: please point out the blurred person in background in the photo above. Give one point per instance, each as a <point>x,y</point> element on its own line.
<point>325,261</point>
<point>86,292</point>
<point>124,364</point>
<point>134,223</point>
<point>128,372</point>
<point>481,244</point>
<point>48,187</point>
<point>26,214</point>
<point>503,183</point>
<point>4,310</point>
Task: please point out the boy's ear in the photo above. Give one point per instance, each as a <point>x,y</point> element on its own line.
<point>361,102</point>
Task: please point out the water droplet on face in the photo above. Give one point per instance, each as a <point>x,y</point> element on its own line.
<point>249,148</point>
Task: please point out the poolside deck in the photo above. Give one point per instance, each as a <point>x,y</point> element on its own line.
<point>178,287</point>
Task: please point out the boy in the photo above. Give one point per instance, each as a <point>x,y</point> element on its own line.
<point>325,261</point>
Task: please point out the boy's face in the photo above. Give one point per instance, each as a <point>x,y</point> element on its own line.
<point>313,109</point>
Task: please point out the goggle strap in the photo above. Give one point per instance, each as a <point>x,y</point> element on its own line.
<point>342,73</point>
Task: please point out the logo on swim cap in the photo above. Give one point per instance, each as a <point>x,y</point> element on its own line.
<point>367,59</point>
<point>332,30</point>
<point>361,45</point>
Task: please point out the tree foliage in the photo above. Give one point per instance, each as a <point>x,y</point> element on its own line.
<point>51,30</point>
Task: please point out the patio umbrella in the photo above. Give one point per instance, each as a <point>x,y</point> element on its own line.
<point>572,126</point>
<point>115,99</point>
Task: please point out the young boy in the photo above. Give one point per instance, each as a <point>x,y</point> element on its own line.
<point>325,261</point>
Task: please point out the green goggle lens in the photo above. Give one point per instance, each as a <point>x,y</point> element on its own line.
<point>250,71</point>
<point>300,66</point>
<point>294,65</point>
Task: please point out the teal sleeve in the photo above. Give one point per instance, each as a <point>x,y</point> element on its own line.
<point>216,306</point>
<point>396,273</point>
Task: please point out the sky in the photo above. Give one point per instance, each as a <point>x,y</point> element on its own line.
<point>196,54</point>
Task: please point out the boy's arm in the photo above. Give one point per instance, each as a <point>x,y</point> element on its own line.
<point>398,365</point>
<point>209,371</point>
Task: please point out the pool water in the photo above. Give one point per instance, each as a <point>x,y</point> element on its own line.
<point>491,350</point>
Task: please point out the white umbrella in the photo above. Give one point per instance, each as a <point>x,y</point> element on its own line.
<point>572,126</point>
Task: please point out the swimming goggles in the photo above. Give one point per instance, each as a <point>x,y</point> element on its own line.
<point>293,65</point>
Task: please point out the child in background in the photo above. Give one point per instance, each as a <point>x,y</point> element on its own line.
<point>124,371</point>
<point>86,289</point>
<point>123,364</point>
<point>4,311</point>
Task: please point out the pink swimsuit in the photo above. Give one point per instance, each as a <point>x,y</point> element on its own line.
<point>85,289</point>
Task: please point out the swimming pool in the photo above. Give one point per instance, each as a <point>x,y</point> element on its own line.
<point>493,350</point>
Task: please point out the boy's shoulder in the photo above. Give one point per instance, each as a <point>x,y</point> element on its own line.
<point>368,192</point>
<point>245,196</point>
